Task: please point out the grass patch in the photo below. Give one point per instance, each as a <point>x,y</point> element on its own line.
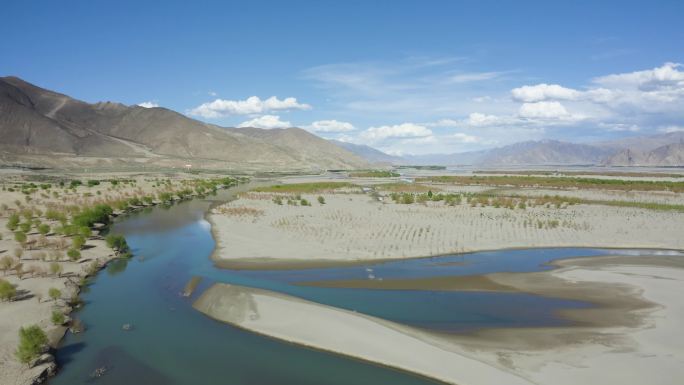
<point>305,188</point>
<point>404,187</point>
<point>582,173</point>
<point>373,174</point>
<point>540,181</point>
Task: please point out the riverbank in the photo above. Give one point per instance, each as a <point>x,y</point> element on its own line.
<point>40,262</point>
<point>254,232</point>
<point>631,337</point>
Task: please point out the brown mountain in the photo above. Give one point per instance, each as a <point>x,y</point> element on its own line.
<point>39,127</point>
<point>671,155</point>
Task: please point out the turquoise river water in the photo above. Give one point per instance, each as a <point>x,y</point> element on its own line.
<point>171,343</point>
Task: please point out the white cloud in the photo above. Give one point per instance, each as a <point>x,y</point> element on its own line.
<point>670,129</point>
<point>148,104</point>
<point>266,121</point>
<point>330,126</point>
<point>473,77</point>
<point>252,105</point>
<point>464,138</point>
<point>544,91</point>
<point>478,119</point>
<point>619,127</point>
<point>664,76</point>
<point>404,130</point>
<point>543,110</point>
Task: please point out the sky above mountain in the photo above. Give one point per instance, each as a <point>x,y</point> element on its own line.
<point>402,76</point>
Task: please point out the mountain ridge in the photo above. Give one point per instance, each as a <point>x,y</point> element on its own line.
<point>36,122</point>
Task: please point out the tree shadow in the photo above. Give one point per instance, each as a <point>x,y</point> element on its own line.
<point>66,353</point>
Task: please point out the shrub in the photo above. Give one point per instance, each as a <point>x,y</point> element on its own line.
<point>98,214</point>
<point>31,342</point>
<point>74,254</point>
<point>77,242</point>
<point>117,242</point>
<point>278,200</point>
<point>321,200</point>
<point>54,293</point>
<point>44,229</point>
<point>55,268</point>
<point>93,182</point>
<point>13,222</point>
<point>57,317</point>
<point>25,227</point>
<point>304,202</point>
<point>20,236</point>
<point>7,290</point>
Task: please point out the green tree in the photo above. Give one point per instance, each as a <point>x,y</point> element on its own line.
<point>7,290</point>
<point>31,342</point>
<point>54,293</point>
<point>44,229</point>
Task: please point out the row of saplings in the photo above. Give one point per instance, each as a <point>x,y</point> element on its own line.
<point>32,339</point>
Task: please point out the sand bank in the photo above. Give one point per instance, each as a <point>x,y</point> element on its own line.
<point>353,228</point>
<point>636,339</point>
<point>327,328</point>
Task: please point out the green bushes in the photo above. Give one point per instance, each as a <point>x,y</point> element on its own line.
<point>31,342</point>
<point>44,229</point>
<point>117,242</point>
<point>7,290</point>
<point>321,200</point>
<point>98,214</point>
<point>20,236</point>
<point>74,254</point>
<point>13,222</point>
<point>54,293</point>
<point>93,182</point>
<point>57,317</point>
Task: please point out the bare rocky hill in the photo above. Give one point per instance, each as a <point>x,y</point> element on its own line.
<point>43,128</point>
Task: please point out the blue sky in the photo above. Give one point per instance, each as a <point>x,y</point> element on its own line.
<point>402,76</point>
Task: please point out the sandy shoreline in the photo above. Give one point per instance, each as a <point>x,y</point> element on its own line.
<point>639,319</point>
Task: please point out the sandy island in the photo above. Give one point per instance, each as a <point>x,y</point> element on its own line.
<point>636,340</point>
<point>254,232</point>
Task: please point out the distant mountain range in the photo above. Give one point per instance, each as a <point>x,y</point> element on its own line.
<point>43,128</point>
<point>665,150</point>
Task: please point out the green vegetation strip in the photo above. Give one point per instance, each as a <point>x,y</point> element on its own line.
<point>304,188</point>
<point>540,181</point>
<point>374,174</point>
<point>579,173</point>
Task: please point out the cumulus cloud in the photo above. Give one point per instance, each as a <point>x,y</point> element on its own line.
<point>266,121</point>
<point>543,110</point>
<point>666,75</point>
<point>252,105</point>
<point>404,130</point>
<point>671,129</point>
<point>330,126</point>
<point>544,91</point>
<point>148,104</point>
